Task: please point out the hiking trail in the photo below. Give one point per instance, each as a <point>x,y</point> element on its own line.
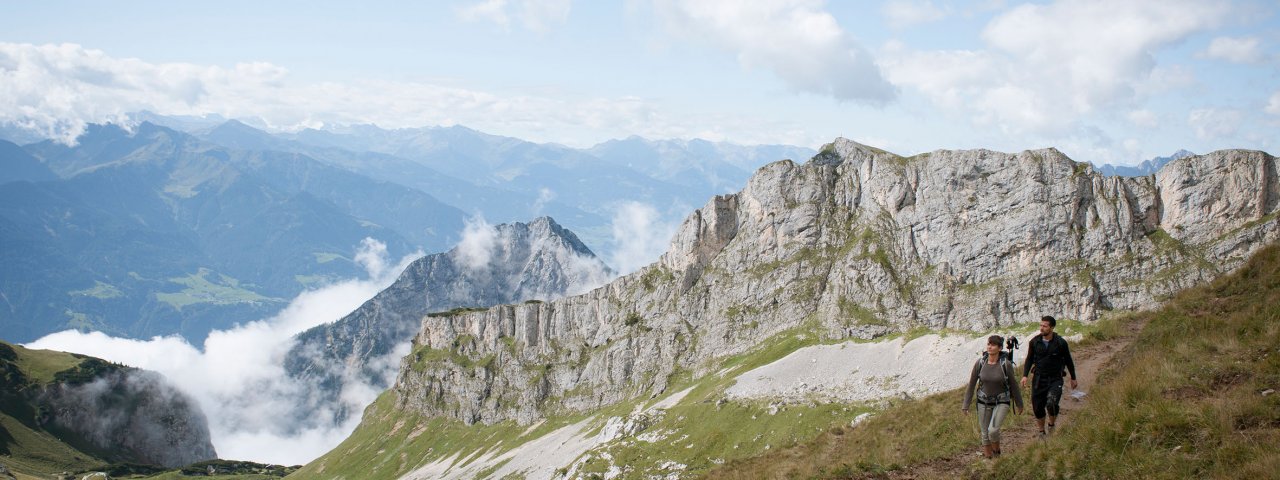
<point>1019,431</point>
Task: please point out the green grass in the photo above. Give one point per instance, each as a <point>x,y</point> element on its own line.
<point>326,257</point>
<point>41,365</point>
<point>309,281</point>
<point>852,313</point>
<point>199,289</point>
<point>1185,401</point>
<point>99,290</point>
<point>38,453</point>
<point>455,312</point>
<point>700,433</point>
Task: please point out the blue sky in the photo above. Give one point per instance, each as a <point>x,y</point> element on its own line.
<point>1114,82</point>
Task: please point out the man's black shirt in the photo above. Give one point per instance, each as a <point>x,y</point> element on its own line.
<point>1048,360</point>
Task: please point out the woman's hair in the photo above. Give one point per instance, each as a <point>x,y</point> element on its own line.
<point>995,340</point>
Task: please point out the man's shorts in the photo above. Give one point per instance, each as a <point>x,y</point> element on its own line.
<point>1045,396</point>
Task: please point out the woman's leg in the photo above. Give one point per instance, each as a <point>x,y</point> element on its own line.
<point>984,423</point>
<point>997,418</point>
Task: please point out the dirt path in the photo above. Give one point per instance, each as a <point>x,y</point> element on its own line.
<point>1021,430</point>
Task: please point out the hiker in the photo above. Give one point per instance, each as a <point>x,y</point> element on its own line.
<point>995,380</point>
<point>1048,355</point>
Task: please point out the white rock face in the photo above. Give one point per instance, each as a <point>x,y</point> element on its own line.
<point>855,243</point>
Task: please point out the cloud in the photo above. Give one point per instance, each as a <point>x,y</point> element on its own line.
<point>1273,104</point>
<point>56,90</point>
<point>545,196</point>
<point>479,239</point>
<point>1049,67</point>
<point>489,10</point>
<point>1143,118</point>
<point>640,236</point>
<point>904,13</point>
<point>1214,123</point>
<point>797,40</point>
<point>1235,50</point>
<point>238,376</point>
<point>536,15</point>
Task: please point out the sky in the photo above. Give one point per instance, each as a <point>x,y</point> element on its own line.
<point>1103,81</point>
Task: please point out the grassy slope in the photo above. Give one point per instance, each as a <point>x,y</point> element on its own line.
<point>1184,401</point>
<point>24,447</point>
<point>390,443</point>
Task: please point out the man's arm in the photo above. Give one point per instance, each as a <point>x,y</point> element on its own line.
<point>1071,364</point>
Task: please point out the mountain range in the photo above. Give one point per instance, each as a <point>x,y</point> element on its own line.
<point>853,245</point>
<point>154,231</point>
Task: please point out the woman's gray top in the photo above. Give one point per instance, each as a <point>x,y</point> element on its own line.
<point>993,384</point>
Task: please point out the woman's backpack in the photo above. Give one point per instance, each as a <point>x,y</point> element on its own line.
<point>1005,361</point>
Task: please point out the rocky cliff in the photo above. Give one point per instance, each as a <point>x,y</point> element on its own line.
<point>507,263</point>
<point>856,242</point>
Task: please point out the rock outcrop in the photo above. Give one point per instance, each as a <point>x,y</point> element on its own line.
<point>537,261</point>
<point>860,243</point>
<point>124,414</point>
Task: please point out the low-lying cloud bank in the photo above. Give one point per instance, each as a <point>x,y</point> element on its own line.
<point>238,378</point>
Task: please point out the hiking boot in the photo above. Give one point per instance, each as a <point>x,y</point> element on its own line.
<point>986,451</point>
<point>995,449</point>
<point>1050,427</point>
<point>1040,436</point>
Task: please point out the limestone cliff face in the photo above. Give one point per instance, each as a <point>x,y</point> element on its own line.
<point>506,263</point>
<point>859,243</point>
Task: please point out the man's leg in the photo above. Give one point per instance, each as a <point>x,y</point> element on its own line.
<point>1054,394</point>
<point>1039,395</point>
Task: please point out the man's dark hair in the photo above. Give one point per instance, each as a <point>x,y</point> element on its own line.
<point>995,340</point>
<point>1049,318</point>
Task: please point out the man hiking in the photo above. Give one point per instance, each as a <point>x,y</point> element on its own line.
<point>1048,355</point>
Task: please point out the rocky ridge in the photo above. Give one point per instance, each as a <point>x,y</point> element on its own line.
<point>537,261</point>
<point>855,243</point>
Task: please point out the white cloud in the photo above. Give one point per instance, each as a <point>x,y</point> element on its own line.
<point>1273,105</point>
<point>488,10</point>
<point>545,196</point>
<point>1143,118</point>
<point>1235,50</point>
<point>55,90</point>
<point>238,376</point>
<point>904,13</point>
<point>1049,67</point>
<point>479,239</point>
<point>797,40</point>
<point>536,15</point>
<point>640,236</point>
<point>1215,123</point>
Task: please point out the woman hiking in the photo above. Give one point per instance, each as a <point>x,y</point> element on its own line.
<point>997,387</point>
